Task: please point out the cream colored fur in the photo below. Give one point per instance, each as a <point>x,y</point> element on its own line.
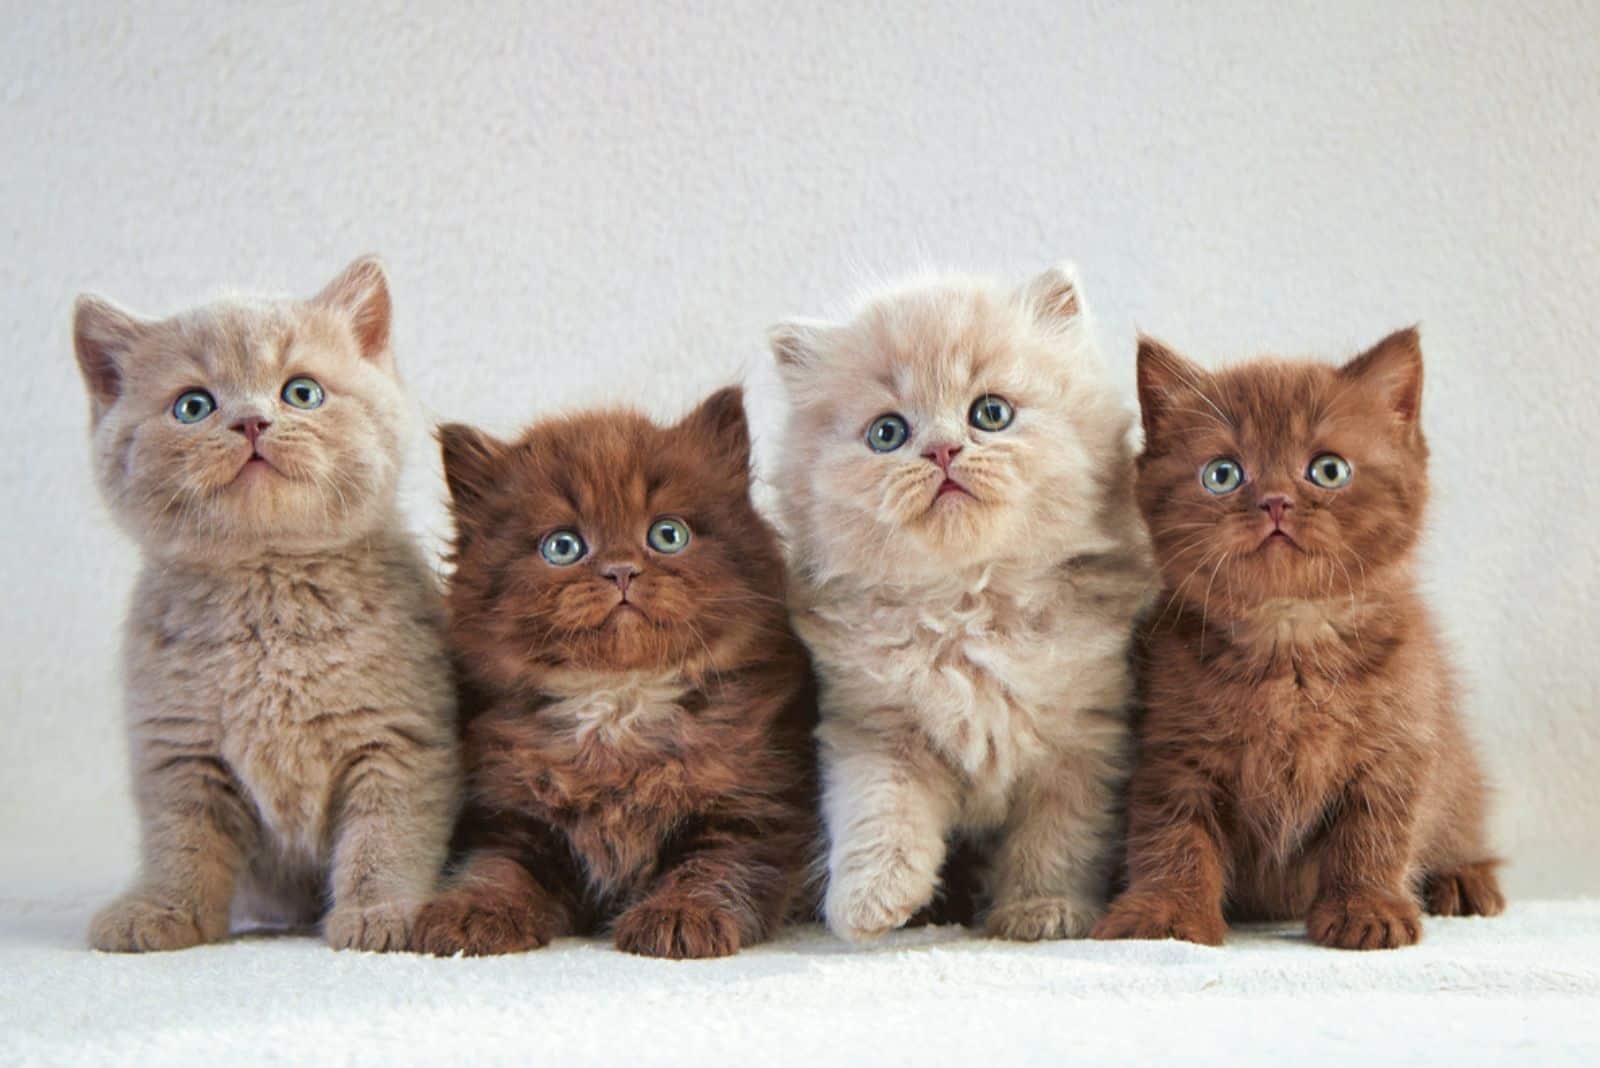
<point>289,702</point>
<point>973,651</point>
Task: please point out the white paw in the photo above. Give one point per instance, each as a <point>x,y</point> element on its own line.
<point>868,902</point>
<point>1036,919</point>
<point>378,928</point>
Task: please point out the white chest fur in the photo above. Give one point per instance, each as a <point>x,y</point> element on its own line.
<point>615,710</point>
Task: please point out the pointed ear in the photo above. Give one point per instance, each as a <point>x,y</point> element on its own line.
<point>797,344</point>
<point>102,336</point>
<point>719,426</point>
<point>1165,380</point>
<point>1394,367</point>
<point>471,459</point>
<point>362,292</point>
<point>1056,296</point>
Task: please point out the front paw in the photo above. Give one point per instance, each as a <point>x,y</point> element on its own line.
<point>458,924</point>
<point>1365,919</point>
<point>1037,919</point>
<point>862,905</point>
<point>379,928</point>
<point>677,932</point>
<point>1154,917</point>
<point>142,922</point>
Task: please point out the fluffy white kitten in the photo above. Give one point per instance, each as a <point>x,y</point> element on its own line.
<point>956,483</point>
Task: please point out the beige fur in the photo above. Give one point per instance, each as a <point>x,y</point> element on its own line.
<point>289,702</point>
<point>973,650</point>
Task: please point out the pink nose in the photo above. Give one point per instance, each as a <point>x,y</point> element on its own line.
<point>1275,506</point>
<point>621,574</point>
<point>251,427</point>
<point>941,455</point>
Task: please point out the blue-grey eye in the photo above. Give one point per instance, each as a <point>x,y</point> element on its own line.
<point>303,392</point>
<point>887,433</point>
<point>1222,475</point>
<point>193,406</point>
<point>991,413</point>
<point>562,547</point>
<point>1330,471</point>
<point>668,535</point>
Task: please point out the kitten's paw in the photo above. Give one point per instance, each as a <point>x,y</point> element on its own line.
<point>459,924</point>
<point>1153,917</point>
<point>1365,919</point>
<point>862,907</point>
<point>1469,890</point>
<point>143,923</point>
<point>678,932</point>
<point>1039,918</point>
<point>381,928</point>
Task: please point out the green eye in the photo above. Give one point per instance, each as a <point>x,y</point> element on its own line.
<point>1221,476</point>
<point>1330,471</point>
<point>668,535</point>
<point>304,393</point>
<point>193,406</point>
<point>562,547</point>
<point>991,413</point>
<point>887,433</point>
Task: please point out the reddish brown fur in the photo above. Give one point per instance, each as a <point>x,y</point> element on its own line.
<point>1300,752</point>
<point>687,824</point>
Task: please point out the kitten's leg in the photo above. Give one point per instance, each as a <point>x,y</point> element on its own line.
<point>196,831</point>
<point>888,804</point>
<point>1178,858</point>
<point>1363,897</point>
<point>1052,869</point>
<point>493,905</point>
<point>396,803</point>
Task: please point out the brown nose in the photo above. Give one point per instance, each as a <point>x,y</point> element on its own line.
<point>1275,506</point>
<point>621,574</point>
<point>941,455</point>
<point>251,427</point>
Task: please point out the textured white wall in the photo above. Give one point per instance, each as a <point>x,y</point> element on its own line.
<point>612,200</point>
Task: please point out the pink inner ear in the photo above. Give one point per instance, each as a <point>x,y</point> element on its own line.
<point>372,322</point>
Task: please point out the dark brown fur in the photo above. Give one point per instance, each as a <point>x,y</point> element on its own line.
<point>1300,752</point>
<point>688,827</point>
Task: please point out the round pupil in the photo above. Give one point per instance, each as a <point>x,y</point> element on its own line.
<point>668,533</point>
<point>1330,470</point>
<point>564,544</point>
<point>302,392</point>
<point>887,431</point>
<point>1222,474</point>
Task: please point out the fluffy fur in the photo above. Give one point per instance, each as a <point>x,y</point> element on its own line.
<point>972,645</point>
<point>288,697</point>
<point>640,754</point>
<point>1301,754</point>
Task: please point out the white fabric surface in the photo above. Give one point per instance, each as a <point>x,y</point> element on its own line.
<point>1518,989</point>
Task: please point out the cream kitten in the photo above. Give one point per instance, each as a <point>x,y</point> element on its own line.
<point>956,484</point>
<point>289,702</point>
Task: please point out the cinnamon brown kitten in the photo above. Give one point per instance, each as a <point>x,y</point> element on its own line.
<point>639,743</point>
<point>1301,753</point>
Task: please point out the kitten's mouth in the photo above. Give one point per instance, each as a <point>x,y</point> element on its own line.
<point>255,465</point>
<point>949,486</point>
<point>1279,536</point>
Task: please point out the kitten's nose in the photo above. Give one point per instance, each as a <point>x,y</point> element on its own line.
<point>251,427</point>
<point>621,574</point>
<point>941,455</point>
<point>1275,506</point>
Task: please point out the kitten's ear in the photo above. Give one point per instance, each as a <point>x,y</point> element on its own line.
<point>1394,367</point>
<point>797,343</point>
<point>362,292</point>
<point>102,336</point>
<point>471,459</point>
<point>1056,296</point>
<point>1165,379</point>
<point>720,428</point>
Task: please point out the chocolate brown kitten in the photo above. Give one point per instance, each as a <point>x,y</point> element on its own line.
<point>638,742</point>
<point>1301,754</point>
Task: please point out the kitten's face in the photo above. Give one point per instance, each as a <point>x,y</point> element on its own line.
<point>245,426</point>
<point>603,542</point>
<point>1279,479</point>
<point>947,425</point>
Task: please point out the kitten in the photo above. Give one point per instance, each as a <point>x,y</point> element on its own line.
<point>288,695</point>
<point>639,744</point>
<point>968,564</point>
<point>1301,754</point>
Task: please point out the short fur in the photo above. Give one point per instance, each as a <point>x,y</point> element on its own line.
<point>1301,755</point>
<point>973,647</point>
<point>648,767</point>
<point>289,701</point>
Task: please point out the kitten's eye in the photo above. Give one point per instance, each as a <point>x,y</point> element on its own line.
<point>193,406</point>
<point>887,433</point>
<point>668,535</point>
<point>303,392</point>
<point>562,547</point>
<point>991,413</point>
<point>1330,471</point>
<point>1222,475</point>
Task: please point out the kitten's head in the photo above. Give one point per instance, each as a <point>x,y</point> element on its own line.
<point>950,423</point>
<point>247,425</point>
<point>602,541</point>
<point>1281,479</point>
